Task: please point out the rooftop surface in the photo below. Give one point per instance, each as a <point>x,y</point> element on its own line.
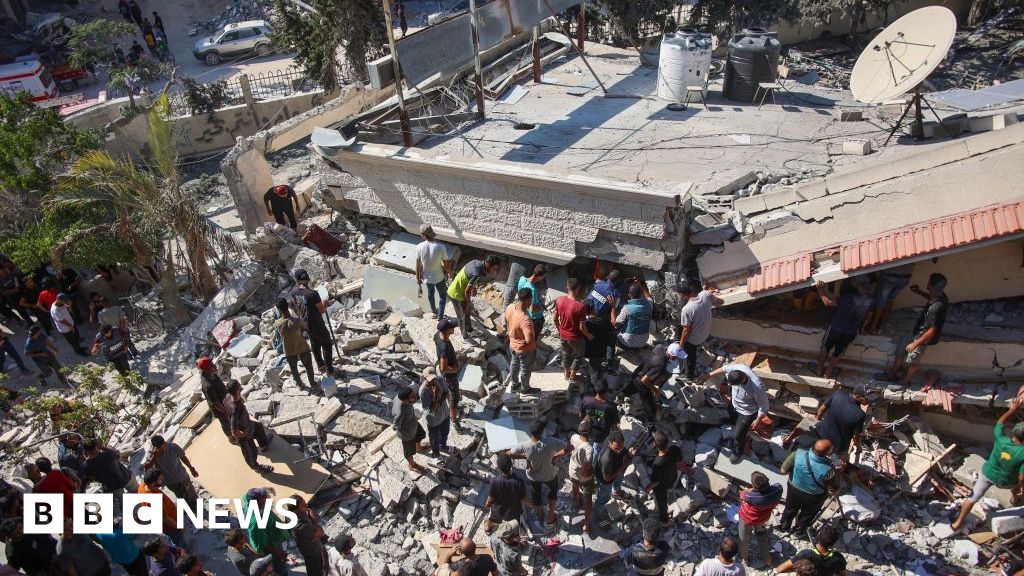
<point>631,136</point>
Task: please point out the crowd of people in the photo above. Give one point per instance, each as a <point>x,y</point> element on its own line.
<point>597,320</point>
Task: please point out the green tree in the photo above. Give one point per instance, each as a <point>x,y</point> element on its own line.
<point>35,146</point>
<point>630,18</point>
<point>93,42</point>
<point>354,28</point>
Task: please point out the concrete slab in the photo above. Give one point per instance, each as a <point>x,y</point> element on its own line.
<point>471,381</point>
<point>223,472</point>
<point>245,346</point>
<point>506,433</point>
<point>391,286</point>
<point>400,252</point>
<point>745,467</point>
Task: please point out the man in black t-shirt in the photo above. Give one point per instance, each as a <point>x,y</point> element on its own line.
<point>841,419</point>
<point>602,413</point>
<point>611,464</point>
<point>448,367</point>
<point>825,559</point>
<point>112,343</point>
<point>649,554</point>
<point>665,468</point>
<point>507,494</point>
<point>927,329</point>
<point>281,201</point>
<point>309,307</point>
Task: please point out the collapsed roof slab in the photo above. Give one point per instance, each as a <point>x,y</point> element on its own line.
<point>547,214</point>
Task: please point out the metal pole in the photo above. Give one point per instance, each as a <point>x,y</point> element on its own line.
<point>403,115</point>
<point>581,24</point>
<point>578,50</point>
<point>536,54</point>
<point>476,60</point>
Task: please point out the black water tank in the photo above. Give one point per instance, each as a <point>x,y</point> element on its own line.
<point>753,58</point>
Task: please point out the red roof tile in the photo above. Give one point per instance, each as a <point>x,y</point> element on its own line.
<point>932,236</point>
<point>782,272</point>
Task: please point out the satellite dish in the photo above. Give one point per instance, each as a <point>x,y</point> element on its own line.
<point>903,55</point>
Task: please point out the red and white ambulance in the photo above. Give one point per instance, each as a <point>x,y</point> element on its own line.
<point>27,74</point>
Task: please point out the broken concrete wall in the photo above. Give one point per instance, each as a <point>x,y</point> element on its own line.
<point>248,176</point>
<point>948,355</point>
<point>550,215</point>
<point>984,273</point>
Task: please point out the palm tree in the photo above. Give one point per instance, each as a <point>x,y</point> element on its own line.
<point>143,199</point>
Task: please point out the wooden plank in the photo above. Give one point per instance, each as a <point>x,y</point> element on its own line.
<point>196,416</point>
<point>785,371</point>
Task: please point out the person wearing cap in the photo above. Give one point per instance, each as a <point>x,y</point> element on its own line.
<point>39,347</point>
<point>505,543</point>
<point>434,399</point>
<point>248,432</point>
<point>62,318</point>
<point>694,320</point>
<point>849,310</point>
<point>581,471</point>
<point>281,201</point>
<point>927,330</point>
<point>172,461</point>
<point>571,321</point>
<point>268,538</point>
<point>215,392</point>
<point>153,483</point>
<point>464,286</point>
<point>1005,465</point>
<point>812,478</point>
<point>651,375</point>
<point>536,308</point>
<point>748,399</point>
<point>112,343</point>
<point>296,347</point>
<point>434,268</point>
<point>648,554</point>
<point>310,308</point>
<point>448,368</point>
<point>633,320</point>
<point>841,418</point>
<point>404,421</point>
<point>522,342</point>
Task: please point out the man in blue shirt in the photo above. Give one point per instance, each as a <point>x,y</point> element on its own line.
<point>634,318</point>
<point>41,350</point>
<point>536,309</point>
<point>122,549</point>
<point>812,477</point>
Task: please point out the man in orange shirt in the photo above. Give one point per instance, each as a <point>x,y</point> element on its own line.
<point>522,341</point>
<point>153,483</point>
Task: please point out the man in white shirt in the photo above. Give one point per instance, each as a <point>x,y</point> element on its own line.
<point>694,321</point>
<point>60,312</point>
<point>434,268</point>
<point>749,400</point>
<point>725,563</point>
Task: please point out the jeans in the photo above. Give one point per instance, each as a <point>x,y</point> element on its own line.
<point>74,341</point>
<point>8,348</point>
<point>462,315</point>
<point>748,532</point>
<point>802,507</point>
<point>307,362</point>
<point>442,293</point>
<point>439,436</point>
<point>322,351</point>
<point>521,368</point>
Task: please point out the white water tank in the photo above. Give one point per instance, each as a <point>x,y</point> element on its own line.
<point>684,61</point>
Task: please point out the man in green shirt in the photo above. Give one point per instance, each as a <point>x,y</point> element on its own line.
<point>270,539</point>
<point>1005,465</point>
<point>465,284</point>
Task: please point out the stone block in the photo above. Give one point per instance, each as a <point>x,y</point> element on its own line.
<point>318,265</point>
<point>407,307</point>
<point>811,190</point>
<point>856,147</point>
<point>750,204</point>
<point>362,385</point>
<point>851,115</point>
<point>506,433</point>
<point>242,374</point>
<point>780,198</point>
<point>391,285</point>
<point>1006,521</point>
<point>374,306</point>
<point>471,381</point>
<point>993,122</point>
<point>248,276</point>
<point>245,346</point>
<point>329,411</point>
<point>501,363</point>
<point>359,342</point>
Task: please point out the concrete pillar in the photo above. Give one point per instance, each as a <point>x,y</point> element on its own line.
<point>249,177</point>
<point>250,102</point>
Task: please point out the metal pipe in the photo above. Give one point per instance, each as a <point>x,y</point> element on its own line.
<point>476,60</point>
<point>581,24</point>
<point>536,54</point>
<point>403,115</point>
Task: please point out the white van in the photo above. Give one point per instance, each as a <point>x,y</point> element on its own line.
<point>27,74</point>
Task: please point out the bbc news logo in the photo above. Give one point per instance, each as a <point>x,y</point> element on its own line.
<point>143,513</point>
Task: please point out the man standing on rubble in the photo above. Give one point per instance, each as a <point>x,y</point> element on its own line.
<point>171,459</point>
<point>215,392</point>
<point>1004,467</point>
<point>112,344</point>
<point>612,463</point>
<point>464,286</point>
<point>607,297</point>
<point>434,268</point>
<point>749,401</point>
<point>247,433</point>
<point>853,303</point>
<point>505,543</point>
<point>724,563</point>
<point>571,320</point>
<point>581,471</point>
<point>812,478</point>
<point>665,466</point>
<point>888,286</point>
<point>541,457</point>
<point>648,555</point>
<point>62,318</point>
<point>281,202</point>
<point>756,506</point>
<point>310,308</point>
<point>404,422</point>
<point>634,318</point>
<point>650,376</point>
<point>506,496</point>
<point>536,308</point>
<point>296,348</point>
<point>448,369</point>
<point>435,401</point>
<point>694,321</point>
<point>602,413</point>
<point>841,419</point>
<point>927,329</point>
<point>41,350</point>
<point>522,342</point>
